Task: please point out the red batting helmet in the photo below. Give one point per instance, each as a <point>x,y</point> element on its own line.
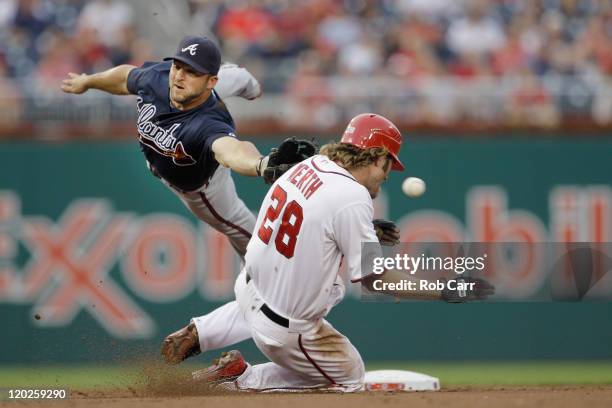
<point>371,130</point>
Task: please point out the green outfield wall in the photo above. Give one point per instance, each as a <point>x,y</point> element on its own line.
<point>98,260</point>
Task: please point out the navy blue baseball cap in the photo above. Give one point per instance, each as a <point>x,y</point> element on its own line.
<point>200,53</point>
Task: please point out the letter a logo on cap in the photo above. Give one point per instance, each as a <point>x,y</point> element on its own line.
<point>192,49</point>
<point>200,53</point>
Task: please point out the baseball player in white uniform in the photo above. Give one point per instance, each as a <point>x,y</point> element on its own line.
<point>314,216</point>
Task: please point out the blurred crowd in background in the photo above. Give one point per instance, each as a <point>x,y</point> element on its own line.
<point>510,63</point>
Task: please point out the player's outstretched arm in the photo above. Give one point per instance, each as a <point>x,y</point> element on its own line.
<point>244,158</point>
<point>113,81</point>
<point>239,155</point>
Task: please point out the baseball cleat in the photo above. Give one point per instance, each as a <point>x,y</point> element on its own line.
<point>228,367</point>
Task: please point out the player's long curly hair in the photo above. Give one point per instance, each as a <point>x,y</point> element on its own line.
<point>350,156</point>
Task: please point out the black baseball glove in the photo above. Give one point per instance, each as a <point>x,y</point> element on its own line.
<point>386,231</point>
<point>464,289</point>
<point>283,157</point>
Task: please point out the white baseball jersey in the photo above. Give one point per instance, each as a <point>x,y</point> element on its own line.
<point>313,215</point>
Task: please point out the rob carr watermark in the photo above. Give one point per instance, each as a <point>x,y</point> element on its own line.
<point>411,265</point>
<point>423,284</point>
<point>540,271</point>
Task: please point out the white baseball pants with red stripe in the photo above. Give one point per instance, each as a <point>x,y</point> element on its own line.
<point>306,355</point>
<point>218,205</point>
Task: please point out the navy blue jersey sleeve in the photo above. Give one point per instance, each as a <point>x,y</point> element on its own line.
<point>139,78</point>
<point>217,132</point>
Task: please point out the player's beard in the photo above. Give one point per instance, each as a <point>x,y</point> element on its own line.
<point>378,179</point>
<point>185,96</point>
<point>182,96</point>
<point>373,187</point>
<point>374,193</point>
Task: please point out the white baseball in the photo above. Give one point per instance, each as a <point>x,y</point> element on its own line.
<point>413,187</point>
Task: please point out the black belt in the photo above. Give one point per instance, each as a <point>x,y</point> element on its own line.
<point>271,314</point>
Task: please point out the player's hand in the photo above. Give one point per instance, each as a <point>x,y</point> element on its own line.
<point>75,83</point>
<point>476,289</point>
<point>386,231</point>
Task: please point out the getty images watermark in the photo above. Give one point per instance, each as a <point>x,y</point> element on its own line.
<point>559,271</point>
<point>422,263</point>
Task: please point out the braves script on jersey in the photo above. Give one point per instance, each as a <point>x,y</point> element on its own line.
<point>312,216</point>
<point>177,144</point>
